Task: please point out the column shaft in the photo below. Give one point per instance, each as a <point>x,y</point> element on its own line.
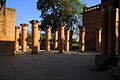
<point>61,39</point>
<point>55,39</point>
<point>24,37</point>
<point>17,38</point>
<point>82,39</point>
<point>111,31</point>
<point>98,40</point>
<point>48,31</point>
<point>67,38</point>
<point>34,36</point>
<point>71,35</point>
<point>119,32</point>
<point>38,39</point>
<point>105,31</point>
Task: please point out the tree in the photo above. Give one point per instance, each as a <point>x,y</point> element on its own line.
<point>57,12</point>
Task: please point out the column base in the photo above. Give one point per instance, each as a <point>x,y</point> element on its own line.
<point>6,48</point>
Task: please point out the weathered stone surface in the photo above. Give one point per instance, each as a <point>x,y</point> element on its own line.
<point>39,39</point>
<point>71,35</point>
<point>17,30</point>
<point>111,30</point>
<point>82,39</point>
<point>61,38</point>
<point>24,37</point>
<point>92,19</point>
<point>34,36</point>
<point>48,36</point>
<point>67,39</point>
<point>7,31</point>
<point>98,39</point>
<point>56,39</point>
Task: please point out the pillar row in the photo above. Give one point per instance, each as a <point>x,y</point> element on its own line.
<point>67,39</point>
<point>82,39</point>
<point>61,38</point>
<point>98,39</point>
<point>17,30</point>
<point>48,35</point>
<point>55,39</point>
<point>34,24</point>
<point>24,37</point>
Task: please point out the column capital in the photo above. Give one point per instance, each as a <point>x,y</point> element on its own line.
<point>62,26</point>
<point>67,29</point>
<point>111,7</point>
<point>34,22</point>
<point>17,27</point>
<point>82,28</point>
<point>48,28</point>
<point>24,26</point>
<point>39,28</point>
<point>98,29</point>
<point>104,8</point>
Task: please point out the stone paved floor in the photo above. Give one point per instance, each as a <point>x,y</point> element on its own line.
<point>49,67</point>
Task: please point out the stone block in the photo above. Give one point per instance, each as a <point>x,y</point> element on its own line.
<point>6,48</point>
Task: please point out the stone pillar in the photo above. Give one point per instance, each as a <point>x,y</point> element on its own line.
<point>98,40</point>
<point>71,35</point>
<point>17,38</point>
<point>24,37</point>
<point>34,36</point>
<point>119,32</point>
<point>38,39</point>
<point>82,39</point>
<point>48,31</point>
<point>111,30</point>
<point>55,39</point>
<point>105,31</point>
<point>61,38</point>
<point>117,26</point>
<point>67,39</point>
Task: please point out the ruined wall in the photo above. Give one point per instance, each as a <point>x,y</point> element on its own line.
<point>7,31</point>
<point>92,19</point>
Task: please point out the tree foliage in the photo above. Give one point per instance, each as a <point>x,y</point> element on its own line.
<point>57,12</point>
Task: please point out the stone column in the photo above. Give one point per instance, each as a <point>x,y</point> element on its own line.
<point>38,39</point>
<point>119,32</point>
<point>17,38</point>
<point>117,26</point>
<point>71,35</point>
<point>55,39</point>
<point>48,31</point>
<point>34,36</point>
<point>61,38</point>
<point>98,39</point>
<point>82,39</point>
<point>111,30</point>
<point>105,31</point>
<point>24,37</point>
<point>67,39</point>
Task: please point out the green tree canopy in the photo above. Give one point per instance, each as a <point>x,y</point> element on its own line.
<point>58,12</point>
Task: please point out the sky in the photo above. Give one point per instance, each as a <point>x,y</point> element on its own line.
<point>26,9</point>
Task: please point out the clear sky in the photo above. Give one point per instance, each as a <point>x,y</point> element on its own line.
<point>26,9</point>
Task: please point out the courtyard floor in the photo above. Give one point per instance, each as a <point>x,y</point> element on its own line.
<point>50,67</point>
